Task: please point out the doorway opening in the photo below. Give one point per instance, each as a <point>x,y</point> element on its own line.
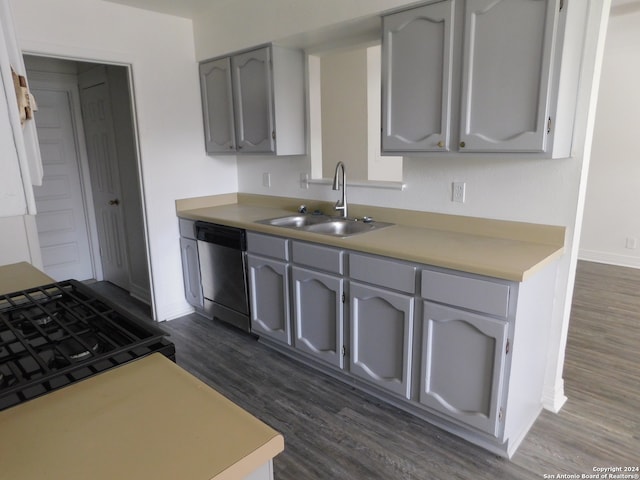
<point>91,222</point>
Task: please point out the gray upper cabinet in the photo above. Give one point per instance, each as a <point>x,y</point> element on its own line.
<point>506,75</point>
<point>469,76</point>
<point>217,105</point>
<point>463,362</point>
<point>254,102</point>
<point>416,77</point>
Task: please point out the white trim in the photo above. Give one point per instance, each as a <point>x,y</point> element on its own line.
<point>553,398</point>
<point>609,258</point>
<point>362,184</point>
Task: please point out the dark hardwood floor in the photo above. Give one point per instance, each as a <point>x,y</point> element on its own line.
<point>335,432</point>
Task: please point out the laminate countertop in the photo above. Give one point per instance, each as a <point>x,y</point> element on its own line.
<point>145,419</point>
<point>496,248</point>
<point>21,276</point>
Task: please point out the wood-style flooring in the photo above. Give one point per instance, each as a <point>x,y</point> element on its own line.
<point>332,431</point>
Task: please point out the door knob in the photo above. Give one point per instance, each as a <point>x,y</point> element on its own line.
<point>114,202</point>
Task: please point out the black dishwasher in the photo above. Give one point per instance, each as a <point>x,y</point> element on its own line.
<point>222,256</point>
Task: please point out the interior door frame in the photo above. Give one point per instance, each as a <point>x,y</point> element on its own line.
<point>136,138</point>
<point>70,86</point>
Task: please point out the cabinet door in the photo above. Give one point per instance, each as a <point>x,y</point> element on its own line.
<point>318,314</point>
<point>191,272</point>
<point>416,78</point>
<point>253,101</point>
<point>269,297</point>
<point>506,75</point>
<point>217,106</point>
<point>463,358</point>
<point>381,336</point>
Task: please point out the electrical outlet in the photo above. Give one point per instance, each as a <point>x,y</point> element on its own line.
<point>632,243</point>
<point>266,180</point>
<point>458,191</point>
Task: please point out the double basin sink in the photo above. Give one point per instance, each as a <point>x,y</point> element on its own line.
<point>325,224</point>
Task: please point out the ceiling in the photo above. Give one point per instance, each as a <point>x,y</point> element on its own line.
<point>180,8</point>
<point>190,8</point>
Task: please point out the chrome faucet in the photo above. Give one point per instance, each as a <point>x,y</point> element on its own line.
<point>341,205</point>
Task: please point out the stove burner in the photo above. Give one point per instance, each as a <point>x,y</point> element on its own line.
<point>75,350</point>
<point>57,334</point>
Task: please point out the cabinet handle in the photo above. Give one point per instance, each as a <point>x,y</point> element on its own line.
<point>462,144</point>
<point>114,202</point>
<point>440,144</point>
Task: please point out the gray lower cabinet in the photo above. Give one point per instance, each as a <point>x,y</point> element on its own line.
<point>381,337</point>
<point>190,263</point>
<point>462,367</point>
<point>191,272</point>
<point>319,315</point>
<point>269,298</point>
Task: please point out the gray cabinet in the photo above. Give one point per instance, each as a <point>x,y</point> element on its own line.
<point>489,60</point>
<point>269,298</point>
<point>463,363</point>
<point>268,272</point>
<point>253,102</point>
<point>217,106</point>
<point>190,264</point>
<point>381,337</point>
<point>506,75</point>
<point>416,78</point>
<point>319,315</point>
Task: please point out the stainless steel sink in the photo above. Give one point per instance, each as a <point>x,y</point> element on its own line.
<point>345,227</point>
<point>296,221</point>
<point>326,225</point>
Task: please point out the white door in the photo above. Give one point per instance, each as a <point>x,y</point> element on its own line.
<point>103,166</point>
<point>61,219</point>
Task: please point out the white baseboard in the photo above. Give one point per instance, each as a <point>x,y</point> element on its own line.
<point>553,398</point>
<point>609,258</point>
<point>171,312</point>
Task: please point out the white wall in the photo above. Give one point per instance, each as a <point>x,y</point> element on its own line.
<point>538,191</point>
<point>612,209</point>
<point>174,165</point>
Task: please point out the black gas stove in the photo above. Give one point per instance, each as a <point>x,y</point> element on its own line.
<point>57,334</point>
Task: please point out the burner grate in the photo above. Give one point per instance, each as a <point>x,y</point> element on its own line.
<point>57,334</point>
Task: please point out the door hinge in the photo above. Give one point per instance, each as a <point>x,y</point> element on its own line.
<point>507,348</point>
<point>561,5</point>
<point>500,414</point>
<point>549,125</point>
<point>344,351</point>
<point>344,298</point>
<point>273,134</point>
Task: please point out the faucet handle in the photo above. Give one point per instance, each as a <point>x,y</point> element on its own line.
<point>302,209</point>
<point>366,219</point>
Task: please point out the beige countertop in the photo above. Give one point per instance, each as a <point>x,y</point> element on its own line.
<point>145,419</point>
<point>21,276</point>
<point>496,248</point>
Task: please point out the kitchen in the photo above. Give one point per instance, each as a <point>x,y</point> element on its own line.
<point>163,64</point>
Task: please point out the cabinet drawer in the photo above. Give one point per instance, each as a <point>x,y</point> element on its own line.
<point>385,273</point>
<point>267,245</point>
<point>318,256</point>
<point>471,293</point>
<point>187,228</point>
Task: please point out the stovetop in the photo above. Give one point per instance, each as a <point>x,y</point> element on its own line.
<point>57,334</point>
